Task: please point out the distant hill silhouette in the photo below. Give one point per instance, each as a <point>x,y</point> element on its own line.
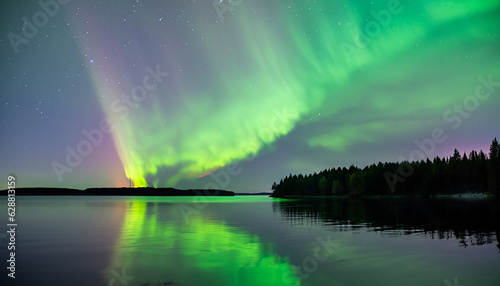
<point>117,192</point>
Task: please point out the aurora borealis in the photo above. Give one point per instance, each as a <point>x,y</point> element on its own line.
<point>276,87</point>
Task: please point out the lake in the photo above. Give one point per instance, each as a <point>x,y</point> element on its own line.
<point>253,240</point>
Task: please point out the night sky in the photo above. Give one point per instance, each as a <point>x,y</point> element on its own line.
<point>238,94</point>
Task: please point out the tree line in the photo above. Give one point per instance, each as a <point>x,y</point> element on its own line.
<point>460,173</point>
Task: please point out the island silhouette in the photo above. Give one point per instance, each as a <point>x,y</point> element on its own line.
<point>147,191</point>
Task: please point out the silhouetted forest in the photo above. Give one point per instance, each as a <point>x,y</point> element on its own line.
<point>459,173</point>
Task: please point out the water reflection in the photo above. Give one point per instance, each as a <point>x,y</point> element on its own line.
<point>472,222</point>
<point>157,246</point>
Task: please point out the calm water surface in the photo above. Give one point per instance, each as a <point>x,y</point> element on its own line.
<point>253,241</point>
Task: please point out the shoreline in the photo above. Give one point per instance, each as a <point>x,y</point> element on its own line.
<point>463,196</point>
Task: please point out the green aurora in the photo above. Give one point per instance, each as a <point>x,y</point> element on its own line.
<point>356,72</point>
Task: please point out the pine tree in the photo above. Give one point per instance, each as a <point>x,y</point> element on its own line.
<point>494,149</point>
<point>456,156</point>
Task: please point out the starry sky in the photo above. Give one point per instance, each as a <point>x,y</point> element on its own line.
<point>238,94</point>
